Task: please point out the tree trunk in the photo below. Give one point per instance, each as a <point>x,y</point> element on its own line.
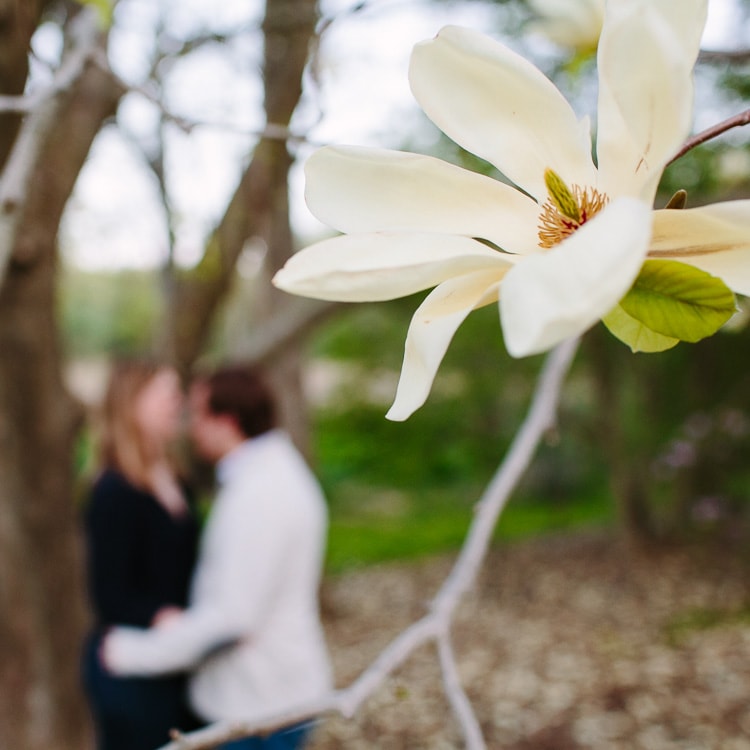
<point>40,567</point>
<point>259,208</point>
<point>42,613</point>
<point>288,30</point>
<point>198,293</point>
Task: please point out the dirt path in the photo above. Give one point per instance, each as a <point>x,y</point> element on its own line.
<point>566,643</point>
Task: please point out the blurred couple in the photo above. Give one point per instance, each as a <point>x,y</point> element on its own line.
<point>191,632</point>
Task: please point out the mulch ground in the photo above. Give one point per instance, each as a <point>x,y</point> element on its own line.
<point>565,643</point>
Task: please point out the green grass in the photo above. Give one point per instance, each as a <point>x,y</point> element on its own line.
<point>696,620</point>
<point>522,521</point>
<point>354,543</point>
<point>367,539</point>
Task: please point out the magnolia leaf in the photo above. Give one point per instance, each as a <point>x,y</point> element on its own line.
<point>636,335</point>
<point>679,301</point>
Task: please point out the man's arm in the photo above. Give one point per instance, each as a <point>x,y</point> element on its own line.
<point>176,646</point>
<point>253,536</point>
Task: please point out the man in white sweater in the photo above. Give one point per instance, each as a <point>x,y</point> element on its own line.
<point>252,633</point>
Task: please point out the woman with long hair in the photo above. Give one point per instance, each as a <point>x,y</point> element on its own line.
<point>141,537</point>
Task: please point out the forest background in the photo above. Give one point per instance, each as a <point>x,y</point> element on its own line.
<point>679,418</point>
<point>655,446</point>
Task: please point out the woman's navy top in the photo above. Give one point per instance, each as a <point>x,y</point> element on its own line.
<point>140,557</point>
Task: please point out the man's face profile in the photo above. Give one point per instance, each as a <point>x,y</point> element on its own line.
<point>213,435</point>
<point>202,423</point>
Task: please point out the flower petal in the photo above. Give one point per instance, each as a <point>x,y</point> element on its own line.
<point>570,23</point>
<point>430,333</point>
<point>686,18</point>
<point>715,238</point>
<point>375,267</point>
<point>645,97</point>
<point>369,190</point>
<point>550,297</point>
<point>500,107</point>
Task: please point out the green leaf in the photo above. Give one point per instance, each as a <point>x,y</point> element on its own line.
<point>105,9</point>
<point>679,301</point>
<point>636,335</point>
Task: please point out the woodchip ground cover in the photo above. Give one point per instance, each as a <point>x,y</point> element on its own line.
<point>569,641</point>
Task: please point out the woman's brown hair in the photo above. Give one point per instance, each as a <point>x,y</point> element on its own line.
<point>122,444</point>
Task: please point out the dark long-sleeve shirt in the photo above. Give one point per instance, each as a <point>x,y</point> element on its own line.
<point>140,557</point>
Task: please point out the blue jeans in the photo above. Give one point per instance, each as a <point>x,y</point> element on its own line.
<point>133,713</point>
<point>288,738</point>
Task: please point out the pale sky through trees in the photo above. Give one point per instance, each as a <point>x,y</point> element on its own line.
<point>362,97</point>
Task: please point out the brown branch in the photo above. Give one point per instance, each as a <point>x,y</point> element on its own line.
<point>738,56</point>
<point>743,118</point>
<point>288,325</point>
<point>258,207</point>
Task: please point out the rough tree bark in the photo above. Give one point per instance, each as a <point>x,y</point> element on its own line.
<point>42,614</point>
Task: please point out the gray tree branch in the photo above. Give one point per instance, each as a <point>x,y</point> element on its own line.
<point>457,697</point>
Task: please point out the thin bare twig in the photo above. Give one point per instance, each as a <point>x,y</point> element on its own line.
<point>33,102</point>
<point>435,625</point>
<point>271,131</point>
<point>735,56</point>
<point>24,104</point>
<point>737,121</point>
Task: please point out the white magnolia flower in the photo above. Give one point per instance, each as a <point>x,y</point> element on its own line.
<point>559,253</point>
<point>576,24</point>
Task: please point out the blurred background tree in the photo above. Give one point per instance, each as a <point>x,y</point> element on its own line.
<point>46,141</point>
<point>653,445</point>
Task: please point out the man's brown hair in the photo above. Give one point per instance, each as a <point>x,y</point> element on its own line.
<point>243,393</point>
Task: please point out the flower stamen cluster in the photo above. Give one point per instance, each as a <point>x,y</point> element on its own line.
<point>566,209</point>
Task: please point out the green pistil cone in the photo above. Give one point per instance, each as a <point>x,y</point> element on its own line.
<point>561,196</point>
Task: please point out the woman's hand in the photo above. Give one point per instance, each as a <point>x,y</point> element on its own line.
<point>166,615</point>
